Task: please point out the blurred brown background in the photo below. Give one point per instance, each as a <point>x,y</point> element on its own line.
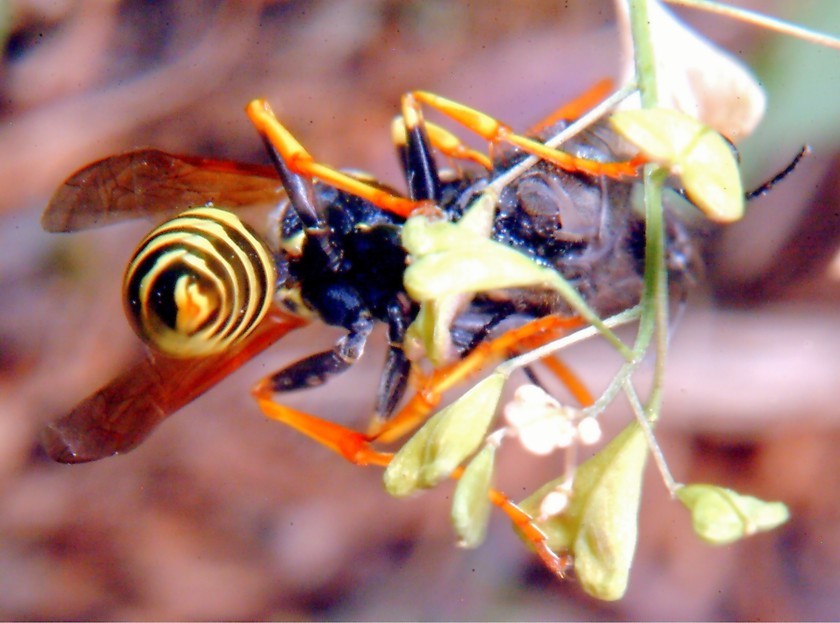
<point>225,515</point>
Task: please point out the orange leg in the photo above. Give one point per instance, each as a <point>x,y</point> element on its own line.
<point>556,366</point>
<point>495,131</point>
<point>569,379</point>
<point>301,162</point>
<point>444,378</point>
<point>352,445</point>
<point>559,564</point>
<point>356,448</point>
<point>574,109</point>
<point>446,142</point>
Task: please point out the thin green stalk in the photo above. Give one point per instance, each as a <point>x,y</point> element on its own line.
<point>643,53</point>
<point>582,123</point>
<point>656,284</point>
<point>654,320</point>
<point>653,446</point>
<point>533,356</point>
<point>763,21</point>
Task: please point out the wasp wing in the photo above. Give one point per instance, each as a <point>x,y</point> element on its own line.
<point>150,182</point>
<point>122,414</point>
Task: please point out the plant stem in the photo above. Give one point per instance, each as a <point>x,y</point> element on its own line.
<point>532,356</point>
<point>643,53</point>
<point>763,21</point>
<point>654,320</point>
<point>653,446</point>
<point>582,123</point>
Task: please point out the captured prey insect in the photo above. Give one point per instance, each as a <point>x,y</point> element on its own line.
<point>206,293</point>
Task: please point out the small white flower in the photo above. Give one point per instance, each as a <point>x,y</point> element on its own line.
<point>534,394</point>
<point>541,423</point>
<point>553,504</point>
<point>589,431</point>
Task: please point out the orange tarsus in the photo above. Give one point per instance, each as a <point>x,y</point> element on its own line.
<point>559,564</point>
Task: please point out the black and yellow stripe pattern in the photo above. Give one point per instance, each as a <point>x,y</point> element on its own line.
<point>198,283</point>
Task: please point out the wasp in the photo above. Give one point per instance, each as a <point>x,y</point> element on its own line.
<point>203,288</point>
<point>206,292</point>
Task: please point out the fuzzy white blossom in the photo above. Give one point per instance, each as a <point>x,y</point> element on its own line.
<point>554,503</point>
<point>540,422</point>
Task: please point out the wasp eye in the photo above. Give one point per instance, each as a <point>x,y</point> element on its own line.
<point>198,283</point>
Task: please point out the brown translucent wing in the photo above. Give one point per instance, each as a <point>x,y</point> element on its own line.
<point>122,414</point>
<point>150,182</point>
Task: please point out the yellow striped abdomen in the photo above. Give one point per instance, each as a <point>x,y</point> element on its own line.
<point>198,283</point>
